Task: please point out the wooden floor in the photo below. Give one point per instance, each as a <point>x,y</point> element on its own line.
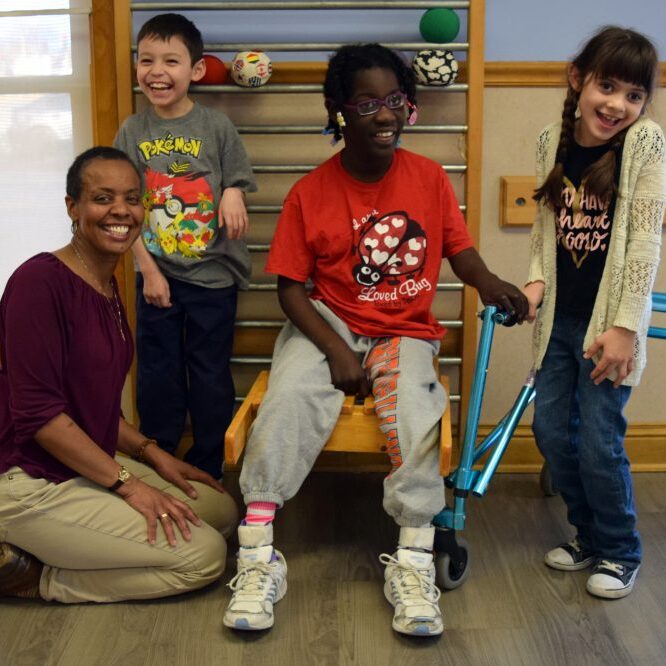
<point>511,611</point>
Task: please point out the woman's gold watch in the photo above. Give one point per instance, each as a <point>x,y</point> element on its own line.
<point>123,476</point>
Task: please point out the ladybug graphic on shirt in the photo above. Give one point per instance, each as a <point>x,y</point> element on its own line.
<point>390,248</point>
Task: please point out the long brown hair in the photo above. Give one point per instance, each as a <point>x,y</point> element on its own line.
<point>613,52</point>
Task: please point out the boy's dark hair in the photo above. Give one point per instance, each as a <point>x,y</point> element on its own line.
<point>346,61</point>
<point>74,183</point>
<point>166,26</point>
<point>612,52</point>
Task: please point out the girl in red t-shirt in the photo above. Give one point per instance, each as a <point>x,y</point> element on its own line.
<point>368,228</point>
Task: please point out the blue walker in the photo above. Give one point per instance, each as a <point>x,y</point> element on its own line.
<point>452,553</point>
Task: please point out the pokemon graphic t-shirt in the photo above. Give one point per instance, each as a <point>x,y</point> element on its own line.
<point>185,163</point>
<point>583,235</point>
<point>372,250</point>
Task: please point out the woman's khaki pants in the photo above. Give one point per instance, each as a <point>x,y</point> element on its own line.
<point>94,545</point>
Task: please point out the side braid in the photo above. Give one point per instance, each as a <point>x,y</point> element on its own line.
<point>600,176</point>
<point>333,128</point>
<point>550,192</point>
<point>334,90</point>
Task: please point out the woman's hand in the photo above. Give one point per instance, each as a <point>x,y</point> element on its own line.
<point>156,289</point>
<point>617,354</point>
<point>178,472</point>
<point>534,293</point>
<point>158,506</point>
<point>232,213</point>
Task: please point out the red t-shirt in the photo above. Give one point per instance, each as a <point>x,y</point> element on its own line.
<point>372,250</point>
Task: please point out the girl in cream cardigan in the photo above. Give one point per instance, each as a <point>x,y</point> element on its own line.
<point>594,256</point>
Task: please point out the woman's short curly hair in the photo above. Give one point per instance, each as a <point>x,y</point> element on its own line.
<point>74,183</point>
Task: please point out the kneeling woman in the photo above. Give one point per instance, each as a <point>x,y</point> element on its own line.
<point>77,522</point>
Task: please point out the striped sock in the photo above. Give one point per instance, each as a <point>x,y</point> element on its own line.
<point>260,513</point>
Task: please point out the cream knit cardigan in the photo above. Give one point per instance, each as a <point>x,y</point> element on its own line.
<point>624,296</point>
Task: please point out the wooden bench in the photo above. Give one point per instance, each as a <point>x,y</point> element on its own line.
<point>357,429</point>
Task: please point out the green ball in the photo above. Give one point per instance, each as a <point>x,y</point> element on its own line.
<point>439,25</point>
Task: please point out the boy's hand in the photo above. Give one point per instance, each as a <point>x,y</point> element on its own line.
<point>534,293</point>
<point>617,354</point>
<point>156,289</point>
<point>232,213</point>
<point>495,291</point>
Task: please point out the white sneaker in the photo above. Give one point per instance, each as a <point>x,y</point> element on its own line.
<point>570,556</point>
<point>410,588</point>
<point>261,581</point>
<point>612,580</point>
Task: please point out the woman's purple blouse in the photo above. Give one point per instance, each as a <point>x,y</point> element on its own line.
<point>62,353</point>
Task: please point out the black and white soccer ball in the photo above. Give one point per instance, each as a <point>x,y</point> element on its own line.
<point>434,67</point>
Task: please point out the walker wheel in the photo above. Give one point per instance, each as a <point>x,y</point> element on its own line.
<point>546,482</point>
<point>450,572</point>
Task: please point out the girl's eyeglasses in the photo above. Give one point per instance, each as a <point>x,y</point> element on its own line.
<point>368,107</point>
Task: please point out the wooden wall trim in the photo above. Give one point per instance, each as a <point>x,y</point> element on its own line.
<point>106,87</point>
<point>103,73</point>
<point>123,66</point>
<point>526,74</point>
<point>645,444</point>
<point>536,74</point>
<point>109,84</point>
<point>496,74</point>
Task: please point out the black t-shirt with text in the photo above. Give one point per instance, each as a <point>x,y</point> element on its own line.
<point>583,235</point>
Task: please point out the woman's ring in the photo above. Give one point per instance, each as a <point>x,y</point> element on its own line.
<point>163,516</point>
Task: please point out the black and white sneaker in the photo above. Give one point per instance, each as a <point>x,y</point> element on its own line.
<point>612,580</point>
<point>570,556</point>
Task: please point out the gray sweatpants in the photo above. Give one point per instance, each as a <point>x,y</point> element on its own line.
<point>301,406</point>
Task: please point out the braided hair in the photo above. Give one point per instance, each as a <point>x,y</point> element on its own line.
<point>348,60</point>
<point>613,52</point>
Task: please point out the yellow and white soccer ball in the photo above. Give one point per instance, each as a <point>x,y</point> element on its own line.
<point>251,69</point>
<point>434,67</point>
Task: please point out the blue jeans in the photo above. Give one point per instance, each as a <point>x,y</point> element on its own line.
<point>183,364</point>
<point>579,429</point>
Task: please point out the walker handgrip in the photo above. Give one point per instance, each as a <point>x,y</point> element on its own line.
<point>504,318</point>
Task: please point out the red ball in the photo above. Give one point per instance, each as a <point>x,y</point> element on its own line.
<point>216,71</point>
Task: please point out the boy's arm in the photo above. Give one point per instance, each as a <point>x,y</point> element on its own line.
<point>472,270</point>
<point>155,286</point>
<point>347,373</point>
<point>237,179</point>
<point>232,213</point>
